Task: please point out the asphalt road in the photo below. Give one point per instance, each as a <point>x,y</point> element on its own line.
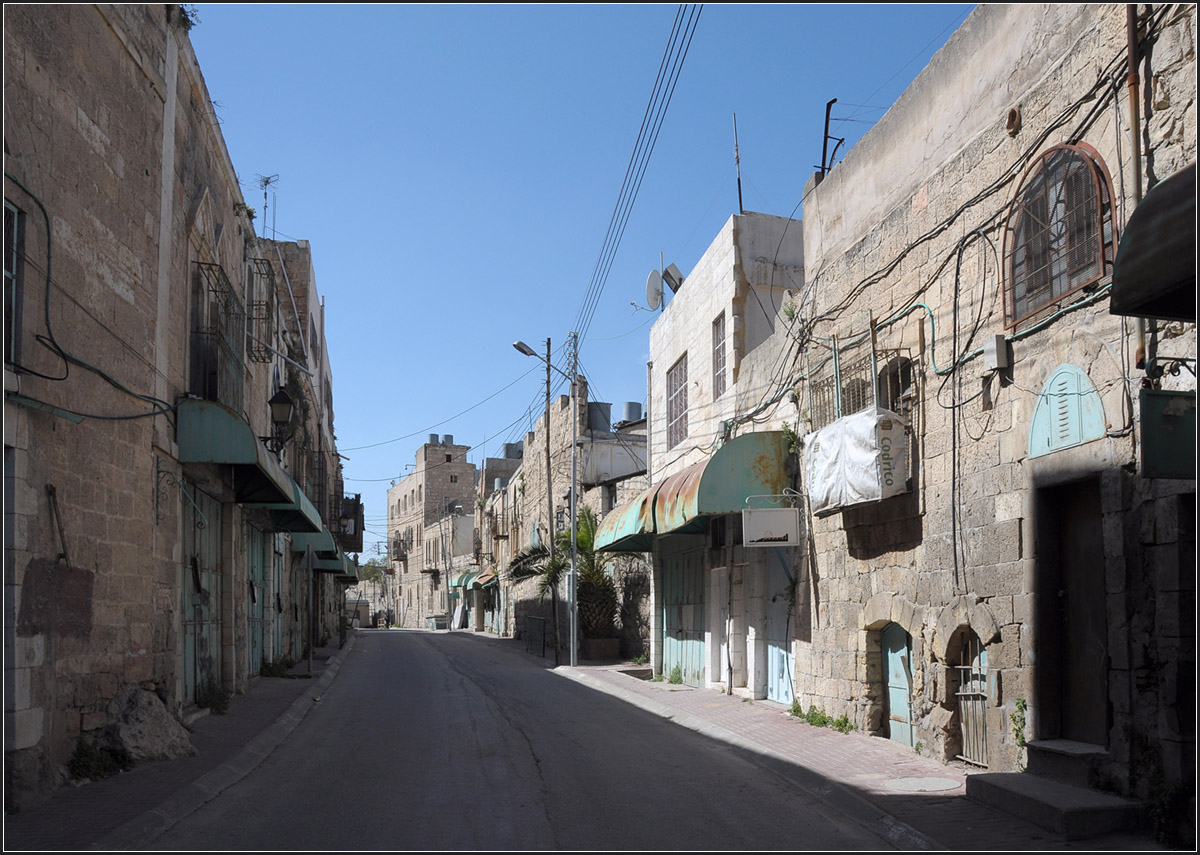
<point>442,741</point>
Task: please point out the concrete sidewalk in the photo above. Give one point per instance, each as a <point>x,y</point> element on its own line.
<point>915,802</point>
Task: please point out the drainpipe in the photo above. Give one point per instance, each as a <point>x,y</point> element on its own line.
<point>1135,122</point>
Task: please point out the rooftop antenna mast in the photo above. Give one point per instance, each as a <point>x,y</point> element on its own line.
<point>265,181</point>
<point>826,158</point>
<point>738,162</point>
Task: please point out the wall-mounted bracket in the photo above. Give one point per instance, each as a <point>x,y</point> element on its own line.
<point>164,478</point>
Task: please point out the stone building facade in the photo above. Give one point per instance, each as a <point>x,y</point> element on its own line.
<point>719,613</point>
<point>611,466</point>
<point>1028,596</point>
<point>421,534</point>
<point>1009,582</point>
<point>149,531</point>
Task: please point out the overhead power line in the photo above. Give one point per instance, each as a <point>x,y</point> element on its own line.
<point>686,18</point>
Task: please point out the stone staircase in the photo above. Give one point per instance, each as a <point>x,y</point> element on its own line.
<point>1055,792</point>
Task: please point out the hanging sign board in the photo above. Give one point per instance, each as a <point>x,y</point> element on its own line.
<point>771,527</point>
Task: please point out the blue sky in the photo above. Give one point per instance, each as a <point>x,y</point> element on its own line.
<point>456,169</point>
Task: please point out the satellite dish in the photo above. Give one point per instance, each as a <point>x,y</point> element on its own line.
<point>654,290</point>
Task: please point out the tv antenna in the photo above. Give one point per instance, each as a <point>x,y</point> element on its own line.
<point>265,181</point>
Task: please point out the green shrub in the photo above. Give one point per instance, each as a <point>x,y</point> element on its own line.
<point>817,717</point>
<point>94,763</point>
<point>676,676</point>
<point>213,697</point>
<point>843,724</point>
<point>278,668</point>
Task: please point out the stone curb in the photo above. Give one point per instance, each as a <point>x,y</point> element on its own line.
<point>900,834</point>
<point>140,832</point>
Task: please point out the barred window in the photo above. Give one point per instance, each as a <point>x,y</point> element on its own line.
<point>718,338</point>
<point>1060,237</point>
<point>677,402</point>
<point>14,241</point>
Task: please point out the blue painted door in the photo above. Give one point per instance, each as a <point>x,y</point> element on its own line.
<point>781,663</point>
<point>897,650</point>
<point>683,616</point>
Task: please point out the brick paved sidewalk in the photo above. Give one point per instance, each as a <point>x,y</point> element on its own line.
<point>124,811</point>
<point>916,802</point>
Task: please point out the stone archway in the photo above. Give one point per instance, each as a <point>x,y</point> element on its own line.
<point>884,610</point>
<point>964,629</point>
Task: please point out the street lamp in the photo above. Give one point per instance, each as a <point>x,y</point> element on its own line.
<point>281,417</point>
<point>572,580</point>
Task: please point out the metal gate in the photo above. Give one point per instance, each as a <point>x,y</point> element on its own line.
<point>255,600</point>
<point>200,591</point>
<point>972,701</point>
<point>275,600</point>
<point>897,647</point>
<point>683,616</point>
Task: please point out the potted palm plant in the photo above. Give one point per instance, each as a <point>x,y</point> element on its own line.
<point>596,593</point>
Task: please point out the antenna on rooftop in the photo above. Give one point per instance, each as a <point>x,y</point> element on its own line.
<point>265,181</point>
<point>737,159</point>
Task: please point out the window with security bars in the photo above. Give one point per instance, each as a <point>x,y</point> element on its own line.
<point>260,310</point>
<point>1060,236</point>
<point>718,338</point>
<point>218,338</point>
<point>885,379</point>
<point>677,402</point>
<point>13,245</point>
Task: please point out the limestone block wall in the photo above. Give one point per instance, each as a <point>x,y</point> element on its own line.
<point>911,228</point>
<point>743,275</point>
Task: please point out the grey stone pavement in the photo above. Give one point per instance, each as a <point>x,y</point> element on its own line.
<point>915,802</point>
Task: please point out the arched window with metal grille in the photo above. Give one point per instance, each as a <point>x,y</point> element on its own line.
<point>1060,236</point>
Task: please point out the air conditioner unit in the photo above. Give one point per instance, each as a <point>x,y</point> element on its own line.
<point>856,460</point>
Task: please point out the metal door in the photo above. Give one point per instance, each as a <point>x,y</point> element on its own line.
<point>683,616</point>
<point>781,662</point>
<point>296,611</point>
<point>200,591</point>
<point>897,649</point>
<point>972,701</point>
<point>255,600</point>
<point>275,600</point>
<point>1083,616</point>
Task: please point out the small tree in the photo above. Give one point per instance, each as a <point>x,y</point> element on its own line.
<point>549,569</point>
<point>596,592</point>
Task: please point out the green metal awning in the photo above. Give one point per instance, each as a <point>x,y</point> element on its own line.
<point>754,464</point>
<point>299,515</point>
<point>208,432</point>
<point>341,565</point>
<point>1154,275</point>
<point>321,542</point>
<point>464,580</point>
<point>630,527</point>
<point>349,573</point>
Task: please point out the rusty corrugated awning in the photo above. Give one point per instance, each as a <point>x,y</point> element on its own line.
<point>750,465</point>
<point>630,527</point>
<point>753,464</point>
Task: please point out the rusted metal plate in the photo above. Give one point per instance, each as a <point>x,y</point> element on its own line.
<point>630,527</point>
<point>750,465</point>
